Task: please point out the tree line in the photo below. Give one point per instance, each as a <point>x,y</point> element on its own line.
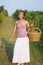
<point>3,13</point>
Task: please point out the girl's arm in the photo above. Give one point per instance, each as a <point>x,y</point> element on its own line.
<point>12,35</point>
<point>28,26</point>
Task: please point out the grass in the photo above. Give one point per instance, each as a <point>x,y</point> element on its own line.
<point>6,49</point>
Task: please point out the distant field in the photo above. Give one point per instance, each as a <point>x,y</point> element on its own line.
<point>6,50</point>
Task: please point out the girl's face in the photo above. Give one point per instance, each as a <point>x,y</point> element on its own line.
<point>21,15</point>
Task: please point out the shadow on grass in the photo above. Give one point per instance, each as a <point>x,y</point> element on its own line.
<point>37,48</point>
<point>8,48</point>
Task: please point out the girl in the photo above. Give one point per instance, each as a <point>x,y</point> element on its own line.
<point>21,52</point>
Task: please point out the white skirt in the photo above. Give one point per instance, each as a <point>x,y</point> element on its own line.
<point>21,52</point>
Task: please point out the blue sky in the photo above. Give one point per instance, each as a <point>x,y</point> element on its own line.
<point>30,5</point>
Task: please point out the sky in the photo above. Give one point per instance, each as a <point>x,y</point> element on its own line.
<point>30,5</point>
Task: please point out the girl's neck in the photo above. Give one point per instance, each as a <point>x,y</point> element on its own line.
<point>21,19</point>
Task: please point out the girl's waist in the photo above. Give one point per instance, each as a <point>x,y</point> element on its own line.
<point>22,35</point>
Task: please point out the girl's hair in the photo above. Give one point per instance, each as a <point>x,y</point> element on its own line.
<point>23,13</point>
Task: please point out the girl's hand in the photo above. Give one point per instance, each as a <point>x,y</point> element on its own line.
<point>10,41</point>
<point>32,25</point>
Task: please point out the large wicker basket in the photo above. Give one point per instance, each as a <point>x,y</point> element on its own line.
<point>35,36</point>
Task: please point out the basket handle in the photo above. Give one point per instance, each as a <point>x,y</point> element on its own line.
<point>37,29</point>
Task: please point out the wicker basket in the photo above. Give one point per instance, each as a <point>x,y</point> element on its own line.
<point>35,36</point>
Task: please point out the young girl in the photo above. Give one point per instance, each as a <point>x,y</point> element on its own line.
<point>21,52</point>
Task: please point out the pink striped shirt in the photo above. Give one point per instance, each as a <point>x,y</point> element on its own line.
<point>21,30</point>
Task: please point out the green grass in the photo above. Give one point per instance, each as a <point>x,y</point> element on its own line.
<point>6,49</point>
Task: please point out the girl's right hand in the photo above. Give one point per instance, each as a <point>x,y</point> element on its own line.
<point>10,41</point>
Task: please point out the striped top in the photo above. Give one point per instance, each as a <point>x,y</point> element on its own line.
<point>21,28</point>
